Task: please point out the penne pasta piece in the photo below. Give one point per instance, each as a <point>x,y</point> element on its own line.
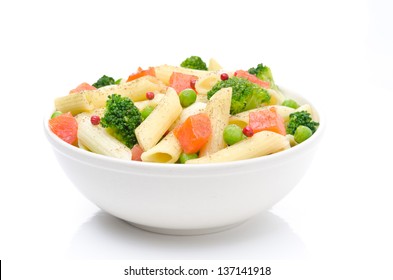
<point>168,150</point>
<point>276,97</point>
<point>96,139</point>
<point>308,108</point>
<point>196,108</point>
<point>88,100</point>
<point>205,83</point>
<point>260,144</point>
<point>283,111</point>
<point>75,103</point>
<point>83,147</point>
<point>164,72</point>
<point>151,130</point>
<point>135,90</point>
<point>242,118</point>
<point>154,102</point>
<point>218,111</point>
<point>214,65</point>
<point>305,107</point>
<point>201,98</point>
<point>291,140</point>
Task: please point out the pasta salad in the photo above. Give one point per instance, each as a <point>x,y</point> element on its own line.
<point>193,113</point>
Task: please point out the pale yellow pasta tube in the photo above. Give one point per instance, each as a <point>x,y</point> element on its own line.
<point>96,139</point>
<point>308,108</point>
<point>205,83</point>
<point>202,98</point>
<point>305,107</point>
<point>218,111</point>
<point>242,118</point>
<point>276,97</point>
<point>213,65</point>
<point>291,140</point>
<point>168,150</point>
<point>81,146</point>
<point>135,90</point>
<point>153,103</point>
<point>283,111</point>
<point>150,131</point>
<point>260,144</point>
<point>75,103</point>
<point>196,108</point>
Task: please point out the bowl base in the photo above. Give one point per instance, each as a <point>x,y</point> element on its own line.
<point>169,231</point>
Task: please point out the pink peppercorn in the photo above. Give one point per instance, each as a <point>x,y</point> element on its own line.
<point>248,131</point>
<point>150,95</point>
<point>224,76</point>
<point>95,120</point>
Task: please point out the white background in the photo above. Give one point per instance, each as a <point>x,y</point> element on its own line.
<point>336,224</point>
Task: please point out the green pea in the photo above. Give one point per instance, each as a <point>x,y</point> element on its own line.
<point>184,157</point>
<point>233,134</point>
<point>146,112</point>
<point>187,97</point>
<point>290,103</point>
<point>56,114</point>
<point>302,133</point>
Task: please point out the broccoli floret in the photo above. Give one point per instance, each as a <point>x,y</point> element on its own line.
<point>194,62</point>
<point>301,118</point>
<point>105,81</point>
<point>121,117</point>
<point>245,94</point>
<point>263,73</point>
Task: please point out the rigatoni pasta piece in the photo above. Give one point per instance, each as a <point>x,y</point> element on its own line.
<point>75,103</point>
<point>168,150</point>
<point>150,131</point>
<point>260,144</point>
<point>96,139</point>
<point>217,109</point>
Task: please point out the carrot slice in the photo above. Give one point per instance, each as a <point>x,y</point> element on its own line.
<point>267,119</point>
<point>65,127</point>
<point>81,87</point>
<point>194,133</point>
<point>180,81</point>
<point>140,73</point>
<point>252,78</point>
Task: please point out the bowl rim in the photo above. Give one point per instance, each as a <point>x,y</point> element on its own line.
<point>91,158</point>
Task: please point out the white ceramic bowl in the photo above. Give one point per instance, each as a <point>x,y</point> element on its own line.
<point>185,199</point>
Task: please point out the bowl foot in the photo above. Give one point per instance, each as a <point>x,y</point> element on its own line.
<point>169,231</point>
